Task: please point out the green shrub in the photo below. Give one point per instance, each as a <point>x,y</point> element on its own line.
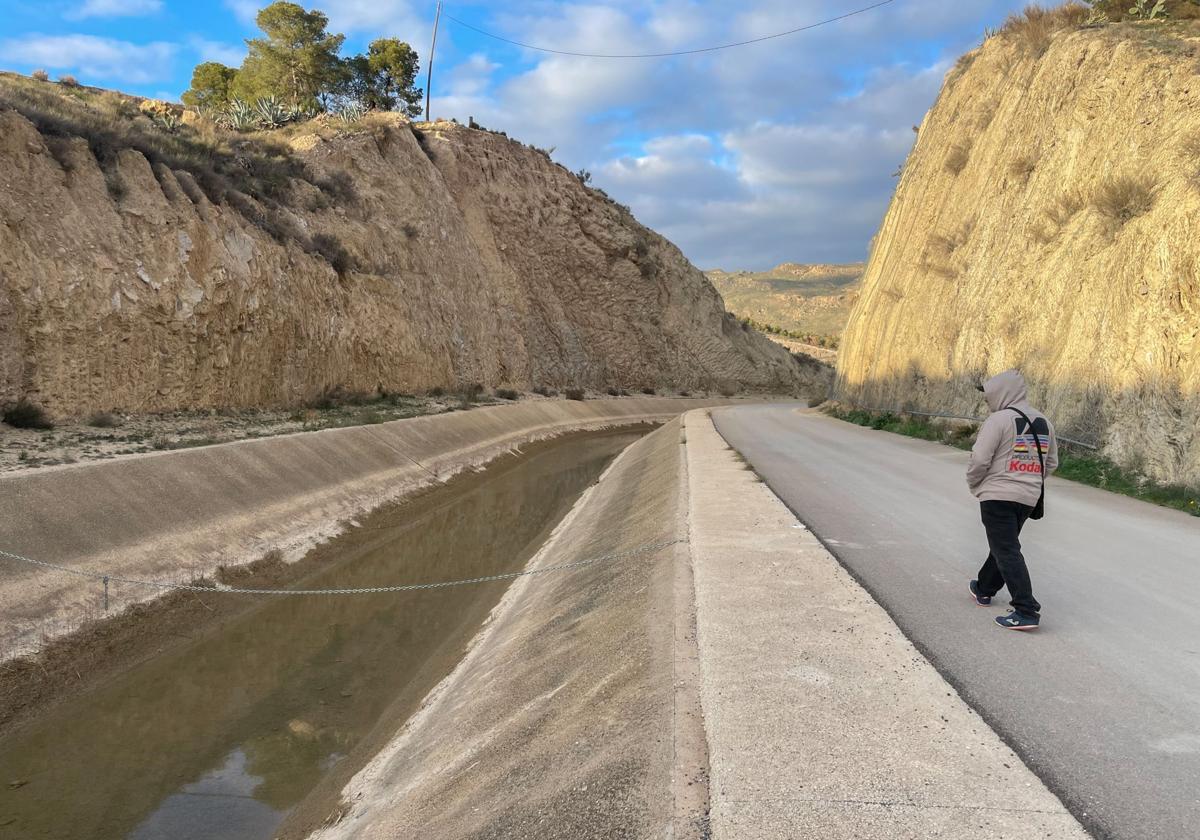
<point>437,391</point>
<point>575,394</point>
<point>650,391</point>
<point>27,415</point>
<point>1144,10</point>
<point>507,394</point>
<point>543,391</point>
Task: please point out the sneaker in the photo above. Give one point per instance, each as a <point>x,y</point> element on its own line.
<point>981,600</point>
<point>1015,621</point>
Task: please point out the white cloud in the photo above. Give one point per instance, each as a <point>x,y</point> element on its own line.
<point>245,10</point>
<point>115,8</point>
<point>745,157</point>
<point>94,58</point>
<point>230,54</point>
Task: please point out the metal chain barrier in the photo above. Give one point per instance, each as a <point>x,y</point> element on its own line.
<point>649,548</point>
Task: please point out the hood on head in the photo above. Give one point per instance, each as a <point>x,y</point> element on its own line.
<point>1004,389</point>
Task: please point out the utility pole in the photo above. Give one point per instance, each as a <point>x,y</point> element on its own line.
<point>429,69</point>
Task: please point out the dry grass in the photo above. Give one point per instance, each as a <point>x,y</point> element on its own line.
<point>1064,207</point>
<point>957,159</point>
<point>940,249</point>
<point>951,242</point>
<point>1058,214</point>
<point>1124,198</point>
<point>1035,27</point>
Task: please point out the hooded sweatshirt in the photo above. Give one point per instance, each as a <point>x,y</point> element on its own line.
<point>1004,462</point>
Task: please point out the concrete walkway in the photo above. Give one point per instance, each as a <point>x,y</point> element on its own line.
<point>823,721</point>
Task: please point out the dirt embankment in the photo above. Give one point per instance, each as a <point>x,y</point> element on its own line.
<point>464,257</point>
<point>1047,220</point>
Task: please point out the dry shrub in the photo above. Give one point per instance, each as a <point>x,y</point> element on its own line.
<point>336,255</point>
<point>68,81</point>
<point>1057,215</point>
<point>575,394</point>
<point>951,242</point>
<point>40,76</point>
<point>1190,147</point>
<point>1124,198</point>
<point>104,420</point>
<point>1035,27</point>
<point>957,159</point>
<point>1064,207</point>
<point>217,159</point>
<point>27,415</point>
<point>1021,168</point>
<point>940,249</point>
<point>1190,151</point>
<point>985,117</point>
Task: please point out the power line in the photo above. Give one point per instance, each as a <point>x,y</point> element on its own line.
<point>759,40</point>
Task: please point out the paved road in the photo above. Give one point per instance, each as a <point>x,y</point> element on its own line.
<point>1104,700</point>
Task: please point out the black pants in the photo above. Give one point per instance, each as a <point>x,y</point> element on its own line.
<point>1005,565</point>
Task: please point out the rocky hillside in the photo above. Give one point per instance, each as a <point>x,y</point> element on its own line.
<point>144,272</point>
<point>1049,218</point>
<point>809,299</point>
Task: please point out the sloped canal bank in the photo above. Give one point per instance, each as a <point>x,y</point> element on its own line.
<point>252,727</point>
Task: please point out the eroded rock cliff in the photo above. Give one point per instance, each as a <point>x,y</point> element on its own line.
<point>1048,218</point>
<point>465,257</point>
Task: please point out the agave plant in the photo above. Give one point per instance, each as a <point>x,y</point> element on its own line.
<point>240,116</point>
<point>272,113</point>
<point>301,113</point>
<point>351,112</point>
<point>1142,10</point>
<point>168,121</point>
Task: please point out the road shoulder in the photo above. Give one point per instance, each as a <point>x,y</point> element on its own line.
<point>822,719</point>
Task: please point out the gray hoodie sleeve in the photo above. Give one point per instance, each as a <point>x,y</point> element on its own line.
<point>1052,452</point>
<point>984,452</point>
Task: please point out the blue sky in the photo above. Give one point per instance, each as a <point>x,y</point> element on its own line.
<point>745,158</point>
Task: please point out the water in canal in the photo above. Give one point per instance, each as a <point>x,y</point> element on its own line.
<point>225,736</point>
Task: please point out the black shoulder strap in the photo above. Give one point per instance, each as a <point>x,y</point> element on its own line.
<point>1037,441</point>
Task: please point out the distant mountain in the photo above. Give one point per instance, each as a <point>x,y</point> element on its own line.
<point>806,299</point>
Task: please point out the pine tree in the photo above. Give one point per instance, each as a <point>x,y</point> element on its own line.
<point>210,85</point>
<point>296,61</point>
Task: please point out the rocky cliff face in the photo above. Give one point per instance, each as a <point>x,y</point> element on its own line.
<point>472,259</point>
<point>1049,219</point>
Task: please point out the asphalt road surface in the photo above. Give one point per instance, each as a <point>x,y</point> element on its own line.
<point>1103,701</point>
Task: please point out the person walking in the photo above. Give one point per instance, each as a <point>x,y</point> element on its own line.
<point>1015,451</point>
